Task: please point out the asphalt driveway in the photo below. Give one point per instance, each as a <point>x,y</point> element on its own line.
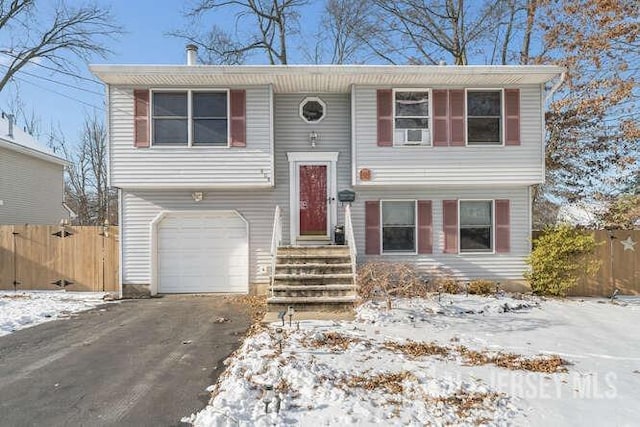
<point>136,363</point>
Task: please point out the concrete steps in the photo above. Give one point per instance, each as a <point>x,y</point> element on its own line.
<point>312,278</point>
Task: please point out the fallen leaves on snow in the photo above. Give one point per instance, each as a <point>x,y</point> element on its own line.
<point>545,364</point>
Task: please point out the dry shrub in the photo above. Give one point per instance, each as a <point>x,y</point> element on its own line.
<point>482,287</point>
<point>387,280</point>
<point>441,279</point>
<point>389,382</point>
<point>449,285</point>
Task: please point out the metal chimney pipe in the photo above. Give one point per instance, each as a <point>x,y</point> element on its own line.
<point>192,54</point>
<point>10,119</point>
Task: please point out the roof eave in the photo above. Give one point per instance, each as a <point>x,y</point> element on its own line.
<point>120,74</point>
<point>34,153</point>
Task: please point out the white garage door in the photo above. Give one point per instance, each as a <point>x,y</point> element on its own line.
<point>202,252</point>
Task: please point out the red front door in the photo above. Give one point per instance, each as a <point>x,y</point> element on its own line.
<point>313,200</point>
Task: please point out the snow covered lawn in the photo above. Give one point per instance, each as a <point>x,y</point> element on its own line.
<point>23,309</point>
<point>463,360</point>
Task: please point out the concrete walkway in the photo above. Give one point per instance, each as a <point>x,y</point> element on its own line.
<point>137,363</point>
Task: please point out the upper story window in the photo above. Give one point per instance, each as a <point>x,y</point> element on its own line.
<point>476,226</point>
<point>411,118</point>
<point>398,226</point>
<point>312,109</point>
<point>484,117</point>
<point>190,118</point>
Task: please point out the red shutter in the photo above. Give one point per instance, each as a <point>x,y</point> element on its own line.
<point>372,225</point>
<point>425,234</point>
<point>440,118</point>
<point>456,117</point>
<point>238,118</point>
<point>141,118</point>
<point>385,117</point>
<point>450,222</point>
<point>512,116</point>
<point>503,226</point>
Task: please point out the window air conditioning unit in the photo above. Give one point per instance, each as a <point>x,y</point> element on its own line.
<point>416,137</point>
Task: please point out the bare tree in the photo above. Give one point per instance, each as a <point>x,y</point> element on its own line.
<point>347,25</point>
<point>50,34</point>
<point>86,189</point>
<point>271,21</point>
<point>434,29</point>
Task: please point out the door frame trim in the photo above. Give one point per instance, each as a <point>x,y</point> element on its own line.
<point>153,230</point>
<point>296,159</point>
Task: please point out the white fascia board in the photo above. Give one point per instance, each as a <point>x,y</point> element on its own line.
<point>307,74</point>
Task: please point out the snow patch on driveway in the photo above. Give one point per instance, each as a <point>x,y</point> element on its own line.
<point>24,309</point>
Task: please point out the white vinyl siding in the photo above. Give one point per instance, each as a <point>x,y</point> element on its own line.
<point>292,135</point>
<point>31,190</point>
<point>508,266</point>
<point>468,165</point>
<point>140,207</point>
<point>188,167</point>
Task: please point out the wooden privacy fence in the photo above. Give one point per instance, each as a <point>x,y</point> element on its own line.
<point>620,265</point>
<point>83,258</point>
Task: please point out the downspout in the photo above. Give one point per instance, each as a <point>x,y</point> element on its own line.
<point>556,86</point>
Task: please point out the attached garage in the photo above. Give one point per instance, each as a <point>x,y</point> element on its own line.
<point>197,252</point>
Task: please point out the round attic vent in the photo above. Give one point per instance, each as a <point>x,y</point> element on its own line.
<point>312,109</point>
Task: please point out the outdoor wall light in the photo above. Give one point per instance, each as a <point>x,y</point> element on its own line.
<point>197,196</point>
<point>313,138</point>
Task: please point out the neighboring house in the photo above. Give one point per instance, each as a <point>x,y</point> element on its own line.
<point>31,179</point>
<point>441,160</point>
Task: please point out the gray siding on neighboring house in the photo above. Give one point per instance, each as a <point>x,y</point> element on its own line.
<point>190,167</point>
<point>507,266</point>
<point>450,165</point>
<point>31,190</point>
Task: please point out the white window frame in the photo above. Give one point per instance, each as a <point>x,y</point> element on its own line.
<point>493,228</point>
<point>502,116</point>
<point>430,118</point>
<point>190,93</point>
<point>415,227</point>
<point>309,99</point>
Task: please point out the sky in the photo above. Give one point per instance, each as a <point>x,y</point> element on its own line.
<point>64,101</point>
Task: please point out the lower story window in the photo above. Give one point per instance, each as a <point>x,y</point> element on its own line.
<point>398,226</point>
<point>476,226</point>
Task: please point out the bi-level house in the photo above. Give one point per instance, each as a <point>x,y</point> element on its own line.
<point>223,171</point>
